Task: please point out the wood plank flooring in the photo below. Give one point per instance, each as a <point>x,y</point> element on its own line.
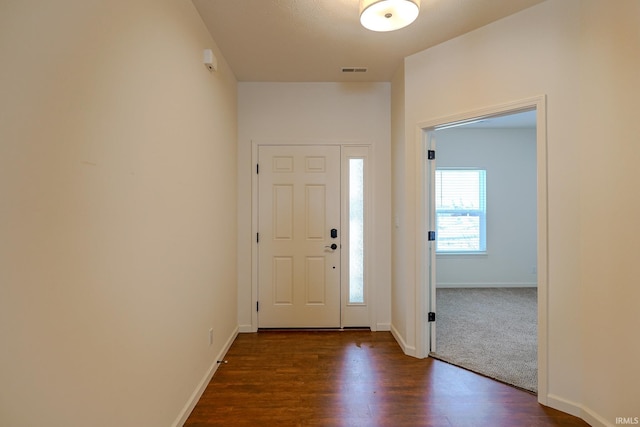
<point>356,378</point>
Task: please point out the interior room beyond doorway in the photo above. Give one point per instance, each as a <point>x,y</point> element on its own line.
<point>486,210</point>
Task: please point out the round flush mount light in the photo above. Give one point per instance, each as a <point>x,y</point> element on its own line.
<point>388,15</point>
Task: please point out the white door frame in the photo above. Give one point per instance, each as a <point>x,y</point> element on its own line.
<point>423,336</point>
<point>255,144</point>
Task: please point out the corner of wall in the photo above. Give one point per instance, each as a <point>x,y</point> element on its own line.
<point>204,382</point>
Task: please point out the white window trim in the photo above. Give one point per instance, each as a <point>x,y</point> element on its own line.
<point>483,218</point>
<point>356,314</point>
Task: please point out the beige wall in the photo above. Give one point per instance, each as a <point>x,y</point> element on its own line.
<point>584,56</point>
<point>325,112</point>
<point>117,211</point>
<point>401,297</point>
<point>609,157</point>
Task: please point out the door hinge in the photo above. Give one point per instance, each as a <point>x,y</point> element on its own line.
<point>257,237</point>
<point>257,305</point>
<point>431,154</point>
<point>431,317</point>
<point>431,235</point>
<point>257,168</point>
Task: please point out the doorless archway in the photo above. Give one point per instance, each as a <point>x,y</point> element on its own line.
<point>425,275</point>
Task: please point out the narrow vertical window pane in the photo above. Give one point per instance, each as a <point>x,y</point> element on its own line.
<point>356,231</point>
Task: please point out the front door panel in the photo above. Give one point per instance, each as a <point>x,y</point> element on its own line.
<point>298,205</point>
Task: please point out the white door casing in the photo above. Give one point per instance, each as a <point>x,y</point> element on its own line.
<point>424,292</point>
<point>298,205</point>
<point>431,244</point>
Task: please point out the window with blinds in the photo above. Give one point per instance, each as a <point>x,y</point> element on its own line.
<point>461,206</point>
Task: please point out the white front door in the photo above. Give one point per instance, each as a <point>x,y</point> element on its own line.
<point>298,206</point>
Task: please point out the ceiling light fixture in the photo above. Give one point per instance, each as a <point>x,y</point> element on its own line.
<point>388,15</point>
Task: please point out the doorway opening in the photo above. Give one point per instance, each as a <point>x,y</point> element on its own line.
<point>486,248</point>
<point>478,243</point>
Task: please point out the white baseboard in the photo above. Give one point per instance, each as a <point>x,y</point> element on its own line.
<point>246,329</point>
<point>577,410</point>
<point>406,349</point>
<point>202,385</point>
<point>383,326</point>
<point>553,401</point>
<point>488,285</point>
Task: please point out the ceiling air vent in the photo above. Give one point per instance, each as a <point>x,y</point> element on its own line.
<point>354,70</point>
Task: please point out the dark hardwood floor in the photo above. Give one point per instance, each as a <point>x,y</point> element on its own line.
<point>356,378</point>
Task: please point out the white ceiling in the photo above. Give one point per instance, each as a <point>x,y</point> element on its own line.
<point>311,40</point>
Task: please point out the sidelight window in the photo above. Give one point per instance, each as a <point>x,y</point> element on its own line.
<point>356,230</point>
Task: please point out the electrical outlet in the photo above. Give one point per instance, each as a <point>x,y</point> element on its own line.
<point>210,336</point>
<point>534,270</point>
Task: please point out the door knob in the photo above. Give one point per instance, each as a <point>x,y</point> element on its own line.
<point>333,246</point>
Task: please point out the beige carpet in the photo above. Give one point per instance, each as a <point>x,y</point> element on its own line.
<point>491,331</point>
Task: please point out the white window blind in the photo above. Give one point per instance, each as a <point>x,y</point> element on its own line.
<point>461,207</point>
